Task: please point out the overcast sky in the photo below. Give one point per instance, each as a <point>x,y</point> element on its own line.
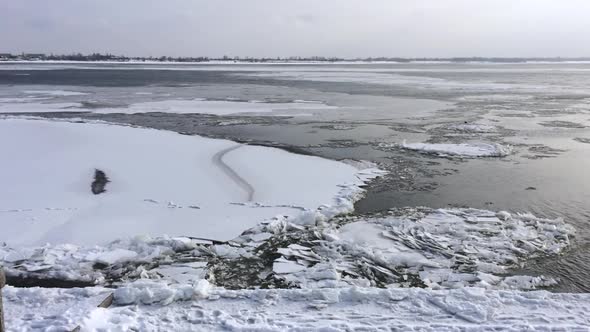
<point>344,28</point>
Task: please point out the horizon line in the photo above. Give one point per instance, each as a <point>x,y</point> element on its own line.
<point>292,57</point>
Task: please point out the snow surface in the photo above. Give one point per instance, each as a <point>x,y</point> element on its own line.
<point>478,149</point>
<point>157,306</point>
<point>49,309</point>
<point>48,167</point>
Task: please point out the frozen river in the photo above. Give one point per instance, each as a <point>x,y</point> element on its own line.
<point>511,137</point>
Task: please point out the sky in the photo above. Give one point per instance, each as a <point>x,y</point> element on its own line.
<point>271,28</point>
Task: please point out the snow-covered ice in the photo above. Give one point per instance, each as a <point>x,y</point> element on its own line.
<point>439,249</point>
<point>396,78</point>
<point>160,183</point>
<point>446,248</point>
<point>55,92</point>
<point>216,107</point>
<point>475,149</point>
<point>5,100</point>
<point>473,128</point>
<point>350,76</point>
<point>33,105</point>
<point>73,262</point>
<point>153,306</point>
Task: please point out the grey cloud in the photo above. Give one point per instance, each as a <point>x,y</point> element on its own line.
<point>347,28</point>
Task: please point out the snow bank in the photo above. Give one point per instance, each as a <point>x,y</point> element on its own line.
<point>464,149</point>
<point>445,248</point>
<point>173,308</point>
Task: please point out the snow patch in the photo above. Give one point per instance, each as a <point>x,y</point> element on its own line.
<point>470,150</point>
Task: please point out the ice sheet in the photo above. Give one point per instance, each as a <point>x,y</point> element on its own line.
<point>216,107</point>
<point>160,183</point>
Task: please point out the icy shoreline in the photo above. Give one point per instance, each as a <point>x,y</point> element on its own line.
<point>135,204</point>
<point>392,248</point>
<point>353,272</point>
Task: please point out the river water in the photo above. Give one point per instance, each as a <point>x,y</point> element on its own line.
<point>541,110</point>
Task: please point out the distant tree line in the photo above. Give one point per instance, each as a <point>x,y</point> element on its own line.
<point>122,58</point>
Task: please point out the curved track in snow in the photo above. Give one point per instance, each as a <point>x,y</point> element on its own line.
<point>231,173</point>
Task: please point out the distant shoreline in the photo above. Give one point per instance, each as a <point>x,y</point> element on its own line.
<point>297,62</point>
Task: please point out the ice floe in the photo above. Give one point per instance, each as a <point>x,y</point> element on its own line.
<point>5,100</point>
<point>218,107</point>
<point>63,93</point>
<point>364,76</point>
<point>215,190</point>
<point>49,168</point>
<point>79,263</point>
<point>445,248</point>
<point>472,150</point>
<point>32,105</point>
